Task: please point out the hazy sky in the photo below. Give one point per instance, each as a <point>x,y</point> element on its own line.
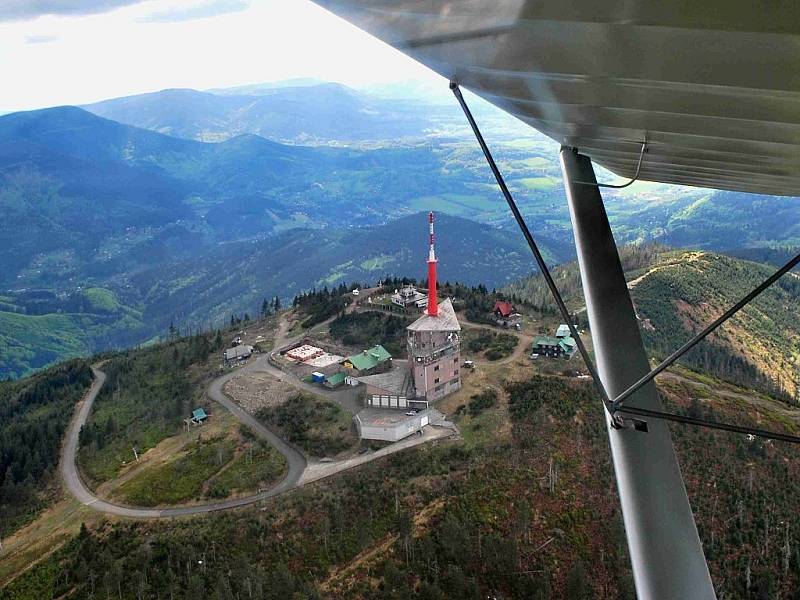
<point>76,51</point>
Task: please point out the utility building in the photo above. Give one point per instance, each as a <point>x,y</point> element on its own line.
<point>434,350</point>
<point>368,362</point>
<point>409,297</point>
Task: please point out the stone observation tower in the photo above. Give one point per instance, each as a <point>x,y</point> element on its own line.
<point>434,351</point>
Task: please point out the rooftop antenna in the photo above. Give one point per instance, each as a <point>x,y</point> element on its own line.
<point>433,304</point>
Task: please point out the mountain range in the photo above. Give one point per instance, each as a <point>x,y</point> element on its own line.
<point>307,114</point>
<point>306,184</point>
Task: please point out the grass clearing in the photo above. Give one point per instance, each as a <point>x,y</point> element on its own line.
<point>493,345</point>
<point>181,479</point>
<point>257,467</point>
<point>539,184</point>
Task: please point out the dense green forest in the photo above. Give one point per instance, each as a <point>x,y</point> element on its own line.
<point>364,329</point>
<point>755,349</point>
<point>147,394</point>
<point>534,291</point>
<point>317,306</point>
<point>34,414</point>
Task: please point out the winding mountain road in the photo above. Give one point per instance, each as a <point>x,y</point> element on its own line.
<point>75,485</point>
<point>299,471</point>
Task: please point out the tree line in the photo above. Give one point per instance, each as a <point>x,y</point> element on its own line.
<point>34,414</point>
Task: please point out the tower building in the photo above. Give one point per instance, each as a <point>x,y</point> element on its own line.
<point>434,346</point>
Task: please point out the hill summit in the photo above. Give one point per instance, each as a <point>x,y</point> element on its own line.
<point>678,292</point>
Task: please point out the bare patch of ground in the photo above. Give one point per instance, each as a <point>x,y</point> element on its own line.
<point>52,528</point>
<point>255,391</point>
<point>348,572</point>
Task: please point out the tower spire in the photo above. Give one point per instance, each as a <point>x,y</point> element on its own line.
<point>433,304</point>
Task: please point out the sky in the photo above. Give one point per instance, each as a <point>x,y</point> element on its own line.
<point>55,52</point>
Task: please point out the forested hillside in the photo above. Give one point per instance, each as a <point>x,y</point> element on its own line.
<point>322,112</point>
<point>676,293</point>
<point>173,229</point>
<point>148,393</point>
<point>758,348</point>
<point>524,507</point>
<point>34,414</point>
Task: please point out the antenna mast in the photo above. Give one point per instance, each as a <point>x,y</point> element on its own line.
<point>433,303</point>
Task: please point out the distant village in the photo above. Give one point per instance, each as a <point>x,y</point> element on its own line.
<point>399,396</point>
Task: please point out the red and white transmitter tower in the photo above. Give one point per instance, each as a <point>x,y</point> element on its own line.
<point>433,303</point>
<point>433,342</point>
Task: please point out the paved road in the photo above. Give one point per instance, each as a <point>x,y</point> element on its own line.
<point>69,472</point>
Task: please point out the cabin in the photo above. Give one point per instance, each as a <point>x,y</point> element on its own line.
<point>505,314</point>
<point>199,416</point>
<point>241,352</point>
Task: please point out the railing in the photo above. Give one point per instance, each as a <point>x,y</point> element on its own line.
<point>435,355</point>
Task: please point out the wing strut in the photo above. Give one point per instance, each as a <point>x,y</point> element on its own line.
<point>665,549</point>
<point>615,407</point>
<point>551,284</point>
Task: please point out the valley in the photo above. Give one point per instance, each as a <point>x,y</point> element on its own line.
<point>336,299</point>
<point>158,224</point>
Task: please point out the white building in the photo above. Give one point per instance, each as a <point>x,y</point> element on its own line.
<point>389,425</point>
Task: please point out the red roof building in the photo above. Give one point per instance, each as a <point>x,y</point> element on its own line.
<point>503,308</point>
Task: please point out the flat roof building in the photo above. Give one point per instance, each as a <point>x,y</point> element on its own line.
<point>305,352</point>
<point>238,353</point>
<point>389,425</point>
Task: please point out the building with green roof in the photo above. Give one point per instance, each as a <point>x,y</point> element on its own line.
<point>375,360</point>
<point>199,415</point>
<point>554,347</point>
<point>335,380</point>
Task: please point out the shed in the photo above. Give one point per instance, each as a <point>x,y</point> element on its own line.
<point>199,415</point>
<point>335,380</point>
<point>238,352</point>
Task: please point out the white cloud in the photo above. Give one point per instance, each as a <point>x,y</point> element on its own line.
<point>202,10</point>
<point>21,10</point>
<point>116,54</point>
<point>40,39</point>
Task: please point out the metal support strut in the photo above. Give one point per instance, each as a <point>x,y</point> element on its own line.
<point>665,549</point>
<point>666,554</point>
<point>615,408</point>
<point>562,308</point>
